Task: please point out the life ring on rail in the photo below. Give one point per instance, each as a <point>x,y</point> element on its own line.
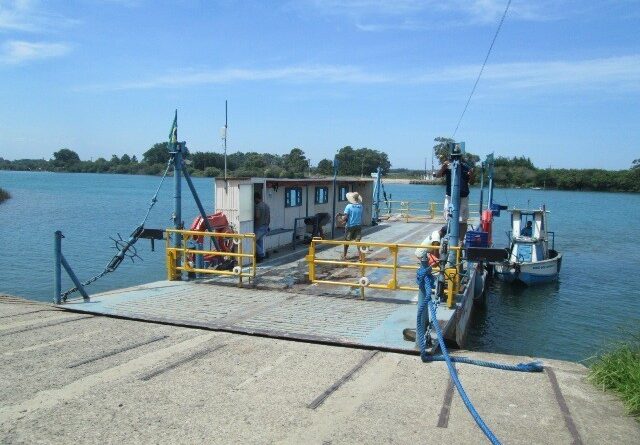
<point>219,223</point>
<point>363,281</point>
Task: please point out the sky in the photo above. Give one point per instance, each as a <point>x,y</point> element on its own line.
<point>103,77</point>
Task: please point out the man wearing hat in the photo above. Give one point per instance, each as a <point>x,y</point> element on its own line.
<point>353,220</point>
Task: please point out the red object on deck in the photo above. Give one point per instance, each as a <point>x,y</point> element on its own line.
<point>485,223</point>
<point>219,223</point>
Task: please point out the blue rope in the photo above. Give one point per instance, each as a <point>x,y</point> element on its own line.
<point>425,282</point>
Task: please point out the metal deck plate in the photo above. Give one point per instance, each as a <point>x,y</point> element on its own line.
<point>330,319</point>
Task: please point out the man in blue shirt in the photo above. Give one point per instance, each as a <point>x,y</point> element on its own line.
<point>527,230</point>
<point>353,218</point>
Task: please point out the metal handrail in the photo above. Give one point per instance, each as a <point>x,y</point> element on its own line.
<point>178,257</point>
<point>422,209</point>
<point>452,274</point>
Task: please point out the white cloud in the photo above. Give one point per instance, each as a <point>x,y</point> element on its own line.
<point>384,15</point>
<point>16,52</point>
<point>613,73</point>
<point>29,16</point>
<point>294,74</point>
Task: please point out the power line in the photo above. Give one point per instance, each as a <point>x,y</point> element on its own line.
<point>473,90</point>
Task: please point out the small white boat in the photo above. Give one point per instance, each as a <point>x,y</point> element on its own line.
<point>531,261</point>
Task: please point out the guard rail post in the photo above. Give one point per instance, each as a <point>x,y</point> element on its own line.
<point>394,277</point>
<point>361,257</point>
<point>311,260</point>
<point>57,278</point>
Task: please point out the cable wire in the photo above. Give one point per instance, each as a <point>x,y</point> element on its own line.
<point>473,90</point>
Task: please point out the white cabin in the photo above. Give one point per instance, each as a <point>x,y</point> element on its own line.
<point>288,200</point>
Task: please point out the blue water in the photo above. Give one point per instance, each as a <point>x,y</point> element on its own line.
<point>595,301</point>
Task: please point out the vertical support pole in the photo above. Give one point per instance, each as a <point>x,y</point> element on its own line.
<point>177,194</point>
<point>481,190</point>
<point>335,184</point>
<point>57,270</point>
<point>171,258</point>
<point>253,255</point>
<point>454,222</point>
<point>362,259</point>
<point>376,210</point>
<point>240,261</point>
<point>199,258</point>
<point>394,278</point>
<point>433,210</point>
<point>311,260</point>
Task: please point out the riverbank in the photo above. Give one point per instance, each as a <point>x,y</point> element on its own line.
<point>618,371</point>
<point>4,195</point>
<point>85,378</point>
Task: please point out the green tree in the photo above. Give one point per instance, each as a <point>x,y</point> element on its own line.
<point>325,167</point>
<point>635,164</point>
<point>361,161</point>
<point>65,158</point>
<point>296,163</point>
<point>203,160</point>
<point>157,154</point>
<point>125,159</point>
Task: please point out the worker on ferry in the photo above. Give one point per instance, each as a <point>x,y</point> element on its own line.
<point>527,230</point>
<point>352,218</point>
<point>431,256</point>
<point>426,256</point>
<point>261,221</point>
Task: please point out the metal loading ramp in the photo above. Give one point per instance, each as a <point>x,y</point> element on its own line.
<point>374,323</point>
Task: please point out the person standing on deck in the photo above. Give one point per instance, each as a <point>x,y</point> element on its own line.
<point>353,220</point>
<point>427,257</point>
<point>466,176</point>
<point>261,220</point>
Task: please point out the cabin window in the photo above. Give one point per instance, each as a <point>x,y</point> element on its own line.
<point>523,253</point>
<point>293,196</point>
<point>322,195</point>
<point>342,192</point>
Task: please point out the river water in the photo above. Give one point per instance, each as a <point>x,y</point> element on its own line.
<point>595,301</point>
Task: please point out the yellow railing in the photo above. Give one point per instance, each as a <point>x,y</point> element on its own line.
<point>452,274</point>
<point>421,209</point>
<point>182,259</point>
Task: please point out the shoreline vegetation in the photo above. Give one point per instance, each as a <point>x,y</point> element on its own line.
<point>4,195</point>
<point>619,371</point>
<point>516,172</point>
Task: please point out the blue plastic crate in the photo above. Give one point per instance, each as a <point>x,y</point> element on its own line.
<point>476,238</point>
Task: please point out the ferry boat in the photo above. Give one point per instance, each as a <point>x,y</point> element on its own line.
<point>530,261</point>
<point>367,299</point>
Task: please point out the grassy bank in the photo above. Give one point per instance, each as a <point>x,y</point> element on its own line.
<point>619,371</point>
<point>4,195</point>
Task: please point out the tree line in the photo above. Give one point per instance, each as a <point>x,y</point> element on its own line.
<point>295,164</point>
<point>509,171</point>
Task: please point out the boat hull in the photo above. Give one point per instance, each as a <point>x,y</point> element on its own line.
<point>530,273</point>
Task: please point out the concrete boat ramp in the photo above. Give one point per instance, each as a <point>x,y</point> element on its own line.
<point>168,362</point>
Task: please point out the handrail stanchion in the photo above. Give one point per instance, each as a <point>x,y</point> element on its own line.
<point>362,259</point>
<point>57,279</point>
<point>311,259</point>
<point>394,278</point>
<point>240,261</point>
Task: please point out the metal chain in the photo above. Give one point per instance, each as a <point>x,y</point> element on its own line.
<point>117,258</point>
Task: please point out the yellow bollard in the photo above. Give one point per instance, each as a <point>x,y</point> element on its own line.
<point>450,276</point>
